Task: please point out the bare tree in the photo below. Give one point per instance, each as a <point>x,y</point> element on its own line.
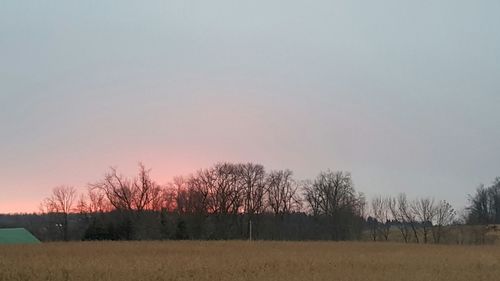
<point>226,192</point>
<point>61,202</point>
<point>81,205</point>
<point>386,216</point>
<point>169,198</point>
<point>139,194</point>
<point>361,205</point>
<point>373,225</point>
<point>184,194</point>
<point>195,198</point>
<point>381,212</point>
<point>331,192</point>
<point>423,210</point>
<point>94,201</point>
<point>97,201</point>
<point>312,197</point>
<point>375,221</point>
<point>282,192</point>
<point>217,190</point>
<point>399,217</point>
<point>444,216</point>
<point>408,215</point>
<point>253,181</point>
<point>333,198</point>
<point>118,190</point>
<point>146,194</point>
<point>253,184</point>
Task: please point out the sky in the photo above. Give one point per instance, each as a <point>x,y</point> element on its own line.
<point>403,94</point>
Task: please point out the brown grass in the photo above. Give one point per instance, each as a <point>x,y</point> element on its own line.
<point>239,260</point>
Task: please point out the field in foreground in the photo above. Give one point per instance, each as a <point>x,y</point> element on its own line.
<point>239,260</point>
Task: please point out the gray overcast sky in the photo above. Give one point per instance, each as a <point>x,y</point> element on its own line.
<point>404,94</point>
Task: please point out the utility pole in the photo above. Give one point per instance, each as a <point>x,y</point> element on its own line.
<point>250,228</point>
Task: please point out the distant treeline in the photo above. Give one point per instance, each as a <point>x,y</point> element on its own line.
<point>244,201</point>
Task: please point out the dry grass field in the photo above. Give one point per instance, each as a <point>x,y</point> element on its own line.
<point>240,260</point>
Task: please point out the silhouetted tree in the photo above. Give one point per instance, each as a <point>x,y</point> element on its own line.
<point>332,195</point>
<point>118,190</point>
<point>146,194</point>
<point>60,204</point>
<point>253,182</point>
<point>484,206</point>
<point>283,197</point>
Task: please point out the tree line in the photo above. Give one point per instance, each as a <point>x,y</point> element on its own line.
<point>244,201</point>
<point>424,219</point>
<point>416,220</point>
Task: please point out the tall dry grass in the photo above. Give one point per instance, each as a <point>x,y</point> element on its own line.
<point>239,260</point>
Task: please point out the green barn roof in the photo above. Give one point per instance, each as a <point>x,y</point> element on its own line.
<point>17,236</point>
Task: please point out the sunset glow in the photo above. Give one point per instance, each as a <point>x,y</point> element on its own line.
<point>404,98</point>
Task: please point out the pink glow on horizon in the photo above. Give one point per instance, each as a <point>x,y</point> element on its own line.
<point>13,207</point>
<point>35,189</point>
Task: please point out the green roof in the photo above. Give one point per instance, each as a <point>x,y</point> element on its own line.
<point>17,236</point>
